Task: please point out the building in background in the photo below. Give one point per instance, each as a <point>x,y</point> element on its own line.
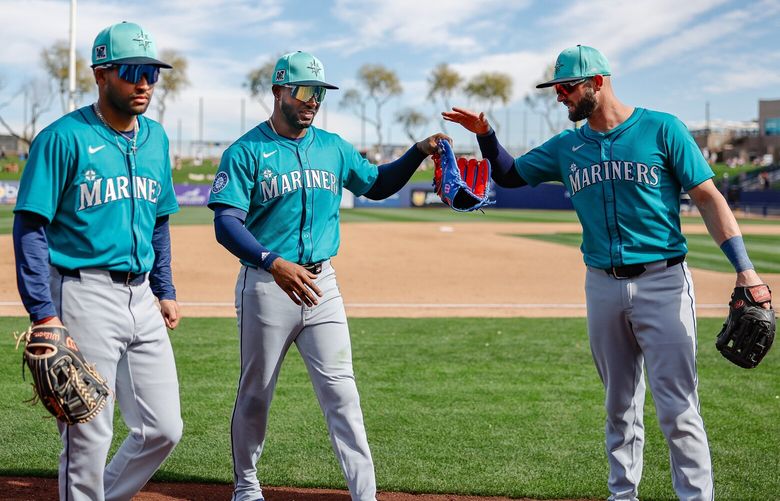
<point>11,145</point>
<point>740,143</point>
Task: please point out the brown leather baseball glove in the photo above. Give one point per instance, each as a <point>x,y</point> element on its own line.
<point>68,387</point>
<point>749,330</point>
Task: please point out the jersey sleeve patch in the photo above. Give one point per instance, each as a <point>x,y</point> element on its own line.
<point>220,182</point>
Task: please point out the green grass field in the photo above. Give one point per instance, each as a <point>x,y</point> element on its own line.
<point>702,251</point>
<point>469,406</point>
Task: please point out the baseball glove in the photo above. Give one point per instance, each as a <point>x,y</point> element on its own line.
<point>462,184</point>
<point>71,389</point>
<point>749,329</point>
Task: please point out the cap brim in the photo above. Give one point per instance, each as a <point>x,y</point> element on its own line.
<point>137,60</point>
<point>558,81</point>
<point>313,83</point>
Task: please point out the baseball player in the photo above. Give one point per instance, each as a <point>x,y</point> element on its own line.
<point>93,251</point>
<point>624,170</point>
<point>276,199</point>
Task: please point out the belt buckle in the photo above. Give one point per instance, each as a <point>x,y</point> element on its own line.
<point>315,268</point>
<point>614,273</point>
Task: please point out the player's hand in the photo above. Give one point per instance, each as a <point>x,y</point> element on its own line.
<point>748,278</point>
<point>170,312</point>
<point>54,322</point>
<point>428,145</point>
<point>296,281</point>
<point>470,120</point>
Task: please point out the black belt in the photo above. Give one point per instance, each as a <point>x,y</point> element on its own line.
<point>118,277</point>
<point>315,268</point>
<point>634,270</point>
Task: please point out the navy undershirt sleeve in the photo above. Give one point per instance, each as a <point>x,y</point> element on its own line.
<point>234,236</point>
<point>394,175</point>
<point>502,163</point>
<point>32,265</point>
<point>160,278</point>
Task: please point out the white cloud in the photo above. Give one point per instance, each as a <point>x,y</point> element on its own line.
<point>749,72</point>
<point>432,24</point>
<point>706,35</point>
<point>617,27</point>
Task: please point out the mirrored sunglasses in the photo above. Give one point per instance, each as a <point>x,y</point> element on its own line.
<point>133,72</point>
<point>568,87</point>
<point>306,92</point>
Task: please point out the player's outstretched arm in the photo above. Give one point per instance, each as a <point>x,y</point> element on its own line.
<point>394,175</point>
<point>723,227</point>
<point>503,170</point>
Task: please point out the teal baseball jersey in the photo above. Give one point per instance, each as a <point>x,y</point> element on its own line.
<point>100,197</point>
<point>291,190</point>
<point>625,185</point>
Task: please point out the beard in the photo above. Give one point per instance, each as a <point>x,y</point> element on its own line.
<point>124,104</point>
<point>290,114</point>
<point>585,107</point>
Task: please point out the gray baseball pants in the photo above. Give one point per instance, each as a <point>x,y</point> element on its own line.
<point>269,322</point>
<point>119,329</point>
<point>649,323</point>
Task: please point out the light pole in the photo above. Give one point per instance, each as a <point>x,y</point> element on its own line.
<point>72,59</point>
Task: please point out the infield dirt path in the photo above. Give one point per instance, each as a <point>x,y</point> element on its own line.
<point>27,489</point>
<point>417,270</point>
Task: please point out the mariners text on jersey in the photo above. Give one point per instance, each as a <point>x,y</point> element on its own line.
<point>610,170</point>
<point>278,185</point>
<point>117,188</point>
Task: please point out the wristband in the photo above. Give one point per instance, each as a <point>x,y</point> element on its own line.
<point>734,249</point>
<point>268,260</point>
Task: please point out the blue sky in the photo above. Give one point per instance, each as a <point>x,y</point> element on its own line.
<point>669,55</point>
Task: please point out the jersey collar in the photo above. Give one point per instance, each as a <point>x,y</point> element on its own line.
<point>631,120</point>
<point>304,142</point>
<point>89,113</point>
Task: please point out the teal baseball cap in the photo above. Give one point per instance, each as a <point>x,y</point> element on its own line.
<point>576,63</point>
<point>300,68</point>
<point>125,43</point>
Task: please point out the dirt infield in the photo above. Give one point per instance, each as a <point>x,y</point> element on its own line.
<point>26,489</point>
<point>416,270</point>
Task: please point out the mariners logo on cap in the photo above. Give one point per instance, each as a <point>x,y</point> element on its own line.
<point>315,68</point>
<point>280,75</point>
<point>220,181</point>
<point>100,52</point>
<point>143,40</point>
